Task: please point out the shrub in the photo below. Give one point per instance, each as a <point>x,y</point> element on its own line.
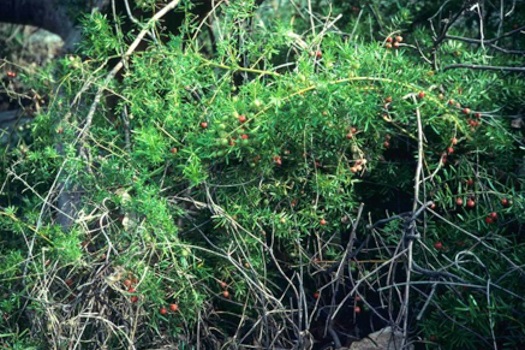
<point>280,181</point>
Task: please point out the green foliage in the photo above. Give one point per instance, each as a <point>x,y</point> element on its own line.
<point>239,182</point>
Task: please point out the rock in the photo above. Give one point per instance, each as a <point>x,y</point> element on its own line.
<point>384,339</point>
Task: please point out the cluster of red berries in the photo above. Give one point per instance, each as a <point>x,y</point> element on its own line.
<point>358,165</point>
<point>472,122</point>
<point>386,143</point>
<point>129,284</point>
<point>357,308</point>
<point>225,292</point>
<point>491,218</point>
<point>173,307</point>
<point>471,203</point>
<point>351,133</point>
<point>393,42</point>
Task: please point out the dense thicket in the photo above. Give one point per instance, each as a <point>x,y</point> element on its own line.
<point>274,175</point>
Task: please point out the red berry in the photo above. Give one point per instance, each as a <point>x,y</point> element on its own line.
<point>174,150</point>
<point>318,54</point>
<point>134,299</point>
<point>277,160</point>
<point>466,110</point>
<point>389,39</point>
<point>11,74</point>
<point>470,182</point>
<point>388,45</point>
<point>450,150</point>
<point>471,203</point>
<point>316,295</point>
<point>438,245</point>
<point>204,125</point>
<point>399,38</point>
<point>226,294</point>
<point>69,282</point>
<point>386,144</point>
<point>421,94</point>
<point>451,102</point>
<point>459,202</point>
<point>223,285</point>
<point>245,137</point>
<point>174,307</point>
<point>494,215</point>
<point>454,141</point>
<point>433,206</point>
<point>395,45</point>
<point>322,222</point>
<point>131,290</point>
<point>127,283</point>
<point>357,309</point>
<point>473,123</point>
<point>163,311</point>
<point>242,118</point>
<point>489,220</point>
<point>388,99</point>
<point>505,202</point>
<point>477,115</point>
<point>349,135</point>
<point>353,130</point>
